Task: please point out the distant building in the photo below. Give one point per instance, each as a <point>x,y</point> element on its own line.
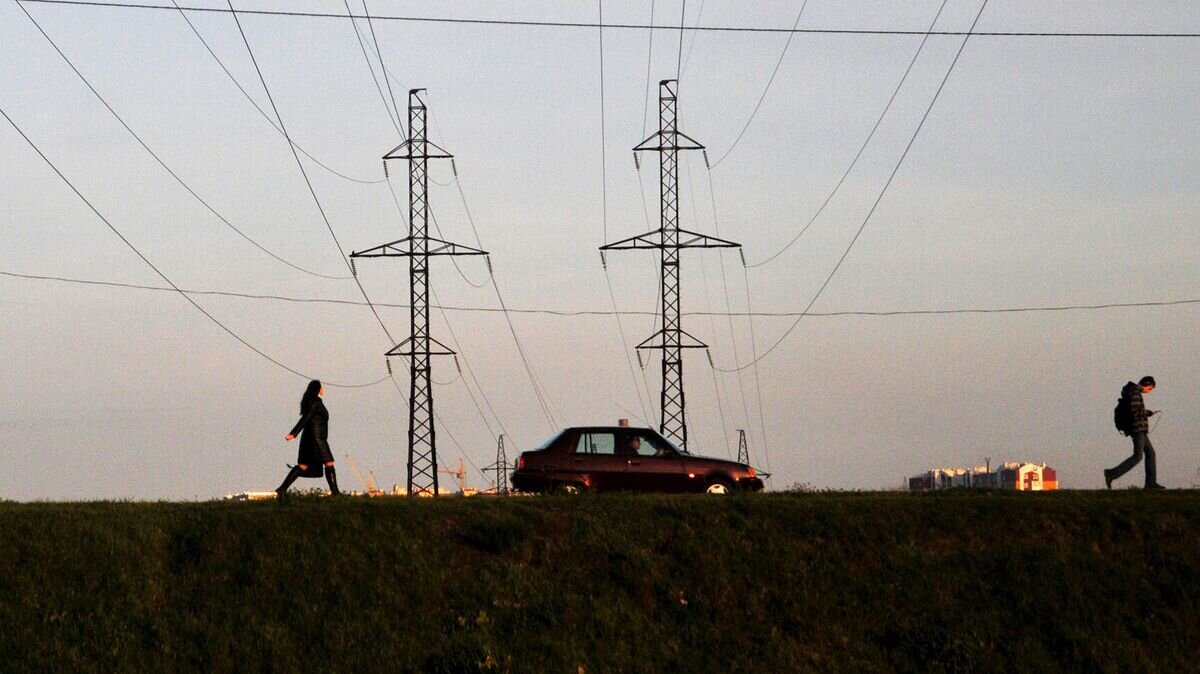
<point>1021,476</point>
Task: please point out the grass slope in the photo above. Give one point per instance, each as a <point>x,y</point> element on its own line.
<point>954,582</point>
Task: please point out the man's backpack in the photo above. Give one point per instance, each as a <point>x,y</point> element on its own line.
<point>1123,415</point>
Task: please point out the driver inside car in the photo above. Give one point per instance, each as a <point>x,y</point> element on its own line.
<point>635,447</point>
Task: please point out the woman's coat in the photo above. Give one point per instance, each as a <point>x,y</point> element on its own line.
<point>313,429</point>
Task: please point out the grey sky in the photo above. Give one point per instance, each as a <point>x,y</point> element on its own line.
<point>1051,171</point>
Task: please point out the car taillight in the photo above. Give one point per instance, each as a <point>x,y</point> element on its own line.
<point>751,469</point>
<point>521,463</point>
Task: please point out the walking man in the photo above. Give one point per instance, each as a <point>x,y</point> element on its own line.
<point>1137,420</point>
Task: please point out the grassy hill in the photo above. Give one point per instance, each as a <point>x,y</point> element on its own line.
<point>950,582</point>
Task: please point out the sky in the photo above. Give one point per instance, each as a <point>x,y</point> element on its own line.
<point>1049,171</point>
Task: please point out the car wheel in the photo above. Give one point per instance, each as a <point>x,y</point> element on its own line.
<point>721,487</point>
<point>566,488</point>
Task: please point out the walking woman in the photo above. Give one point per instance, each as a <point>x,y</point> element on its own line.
<point>313,429</point>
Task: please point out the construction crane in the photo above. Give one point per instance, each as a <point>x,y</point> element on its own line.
<point>460,475</point>
<point>367,482</point>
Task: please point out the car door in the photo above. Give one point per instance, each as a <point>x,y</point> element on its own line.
<point>594,461</point>
<point>653,465</point>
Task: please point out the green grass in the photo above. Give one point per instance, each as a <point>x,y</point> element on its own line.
<point>855,582</point>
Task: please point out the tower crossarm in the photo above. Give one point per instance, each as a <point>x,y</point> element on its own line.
<point>409,246</point>
<point>657,239</point>
<point>422,149</point>
<point>662,340</point>
<point>668,140</point>
<point>409,348</point>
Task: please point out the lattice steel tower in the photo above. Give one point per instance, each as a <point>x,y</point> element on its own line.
<point>669,239</point>
<point>500,467</point>
<point>743,448</point>
<point>418,247</point>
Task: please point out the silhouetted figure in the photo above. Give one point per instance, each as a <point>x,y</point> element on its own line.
<point>313,429</point>
<point>1138,429</point>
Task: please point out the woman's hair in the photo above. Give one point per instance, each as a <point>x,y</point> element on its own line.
<point>310,394</point>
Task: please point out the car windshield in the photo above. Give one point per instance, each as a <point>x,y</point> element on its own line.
<point>550,441</point>
<point>672,445</point>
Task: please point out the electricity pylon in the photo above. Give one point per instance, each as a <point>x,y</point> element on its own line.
<point>743,448</point>
<point>669,239</point>
<point>418,247</point>
<point>501,467</point>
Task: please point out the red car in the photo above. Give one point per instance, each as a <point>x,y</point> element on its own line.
<point>620,458</point>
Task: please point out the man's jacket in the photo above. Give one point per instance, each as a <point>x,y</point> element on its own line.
<point>1137,408</point>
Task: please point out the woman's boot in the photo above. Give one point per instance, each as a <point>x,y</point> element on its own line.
<point>331,478</point>
<point>281,492</point>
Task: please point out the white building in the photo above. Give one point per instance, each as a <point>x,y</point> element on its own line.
<point>1021,476</point>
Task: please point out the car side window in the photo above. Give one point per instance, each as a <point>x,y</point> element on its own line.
<point>596,443</point>
<point>644,446</point>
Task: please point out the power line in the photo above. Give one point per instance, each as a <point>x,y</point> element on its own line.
<point>646,102</point>
<point>762,423</point>
<point>882,192</point>
<point>712,193</point>
<point>533,381</point>
<point>562,313</point>
<point>679,58</point>
<point>262,112</point>
<point>541,397</point>
<point>379,55</point>
<point>604,219</point>
<point>393,112</point>
<point>861,148</point>
<point>627,26</point>
<point>457,267</point>
<point>159,159</point>
<point>767,88</point>
<point>304,173</point>
<point>691,43</point>
<point>712,324</point>
<point>471,373</point>
<point>160,273</point>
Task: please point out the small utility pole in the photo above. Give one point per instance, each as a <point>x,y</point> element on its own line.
<point>669,239</point>
<point>418,247</point>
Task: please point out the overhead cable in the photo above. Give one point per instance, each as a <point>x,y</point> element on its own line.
<point>262,112</point>
<point>392,112</point>
<point>861,148</point>
<point>712,193</point>
<point>162,163</point>
<point>566,313</point>
<point>882,192</point>
<point>626,26</point>
<point>379,55</point>
<point>767,88</point>
<point>471,373</point>
<point>679,57</point>
<point>604,219</point>
<point>533,380</point>
<point>762,422</point>
<point>163,276</point>
<point>304,173</point>
<point>691,43</point>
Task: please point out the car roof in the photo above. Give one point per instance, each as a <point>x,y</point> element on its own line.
<point>611,428</point>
